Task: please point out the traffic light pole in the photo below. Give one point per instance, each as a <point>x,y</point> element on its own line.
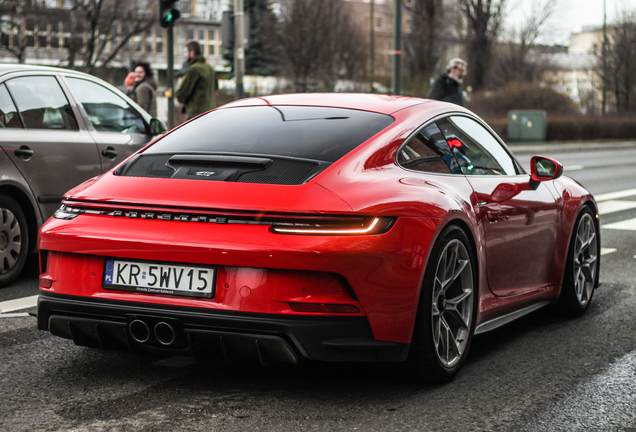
<point>239,49</point>
<point>170,75</point>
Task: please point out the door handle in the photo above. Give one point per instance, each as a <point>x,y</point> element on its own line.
<point>110,152</point>
<point>24,152</point>
<point>494,215</point>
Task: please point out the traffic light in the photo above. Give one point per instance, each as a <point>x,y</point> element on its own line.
<point>167,13</point>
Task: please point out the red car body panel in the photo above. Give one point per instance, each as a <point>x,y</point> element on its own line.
<point>387,284</point>
<point>381,275</point>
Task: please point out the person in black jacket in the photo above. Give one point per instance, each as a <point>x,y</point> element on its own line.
<point>448,86</point>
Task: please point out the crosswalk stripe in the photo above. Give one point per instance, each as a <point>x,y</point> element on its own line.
<point>18,304</point>
<point>605,251</point>
<point>628,225</point>
<point>615,195</point>
<point>606,207</point>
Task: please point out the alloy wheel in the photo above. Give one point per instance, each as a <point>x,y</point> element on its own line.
<point>585,259</point>
<point>452,311</point>
<point>10,240</point>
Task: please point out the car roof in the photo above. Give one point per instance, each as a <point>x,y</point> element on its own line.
<point>7,68</point>
<point>380,103</point>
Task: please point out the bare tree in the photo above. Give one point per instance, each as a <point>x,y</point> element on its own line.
<point>13,23</point>
<point>517,58</point>
<point>109,26</point>
<point>484,19</point>
<point>427,39</point>
<point>619,74</point>
<point>317,44</point>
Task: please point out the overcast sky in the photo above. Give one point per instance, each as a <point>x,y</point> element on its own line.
<point>571,16</point>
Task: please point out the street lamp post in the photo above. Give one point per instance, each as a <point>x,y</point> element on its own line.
<point>239,49</point>
<point>604,54</point>
<point>397,53</point>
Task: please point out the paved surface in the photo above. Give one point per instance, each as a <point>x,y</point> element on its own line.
<point>537,148</point>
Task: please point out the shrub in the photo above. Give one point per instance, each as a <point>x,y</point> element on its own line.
<point>576,127</point>
<point>520,96</point>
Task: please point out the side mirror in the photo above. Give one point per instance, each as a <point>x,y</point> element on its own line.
<point>543,168</point>
<point>157,127</point>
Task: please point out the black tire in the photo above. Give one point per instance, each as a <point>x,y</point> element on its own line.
<point>582,267</point>
<point>14,240</point>
<point>447,307</point>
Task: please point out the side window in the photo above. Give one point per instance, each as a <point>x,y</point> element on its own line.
<point>427,151</point>
<point>42,103</point>
<point>476,150</point>
<point>106,110</point>
<point>9,117</point>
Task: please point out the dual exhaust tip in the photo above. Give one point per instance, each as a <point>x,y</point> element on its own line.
<point>163,332</point>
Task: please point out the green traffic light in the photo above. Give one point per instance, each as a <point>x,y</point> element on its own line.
<point>169,17</point>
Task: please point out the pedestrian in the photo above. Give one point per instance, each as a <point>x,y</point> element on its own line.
<point>144,91</point>
<point>448,86</point>
<point>144,88</point>
<point>199,83</point>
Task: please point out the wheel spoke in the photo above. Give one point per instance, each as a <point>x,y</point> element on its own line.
<point>453,307</point>
<point>449,268</point>
<point>451,343</point>
<point>460,265</point>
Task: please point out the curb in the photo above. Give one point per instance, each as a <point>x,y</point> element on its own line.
<point>537,148</point>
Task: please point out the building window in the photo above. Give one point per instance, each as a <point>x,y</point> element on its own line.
<point>186,8</point>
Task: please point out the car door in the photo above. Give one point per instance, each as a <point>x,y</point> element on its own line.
<point>118,128</point>
<point>46,143</point>
<point>519,220</point>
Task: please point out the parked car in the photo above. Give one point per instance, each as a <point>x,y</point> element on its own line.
<point>58,128</point>
<point>337,227</point>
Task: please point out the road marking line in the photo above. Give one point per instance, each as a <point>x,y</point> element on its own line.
<point>574,168</point>
<point>605,251</point>
<point>605,207</point>
<point>15,315</point>
<point>629,225</point>
<point>17,304</point>
<point>615,195</point>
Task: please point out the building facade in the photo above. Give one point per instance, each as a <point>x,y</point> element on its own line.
<point>47,32</point>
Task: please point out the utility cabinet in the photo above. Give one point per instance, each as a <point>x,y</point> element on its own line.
<point>526,126</point>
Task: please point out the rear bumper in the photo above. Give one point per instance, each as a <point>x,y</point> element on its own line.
<point>215,334</point>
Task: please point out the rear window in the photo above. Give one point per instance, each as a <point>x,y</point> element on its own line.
<point>323,134</point>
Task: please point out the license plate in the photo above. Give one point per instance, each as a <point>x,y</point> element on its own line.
<point>159,278</point>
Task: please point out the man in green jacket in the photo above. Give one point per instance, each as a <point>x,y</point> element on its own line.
<point>197,88</point>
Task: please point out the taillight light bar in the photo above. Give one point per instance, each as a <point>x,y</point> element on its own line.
<point>371,226</point>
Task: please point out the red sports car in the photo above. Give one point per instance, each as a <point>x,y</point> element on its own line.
<point>338,227</point>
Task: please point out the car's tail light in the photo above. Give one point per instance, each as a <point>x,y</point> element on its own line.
<point>366,226</point>
<point>323,308</point>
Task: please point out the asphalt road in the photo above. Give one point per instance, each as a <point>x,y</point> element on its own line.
<point>540,373</point>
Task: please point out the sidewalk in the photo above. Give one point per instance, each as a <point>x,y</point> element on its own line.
<point>563,147</point>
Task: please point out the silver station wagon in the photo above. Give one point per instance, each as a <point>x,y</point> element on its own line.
<point>58,128</point>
